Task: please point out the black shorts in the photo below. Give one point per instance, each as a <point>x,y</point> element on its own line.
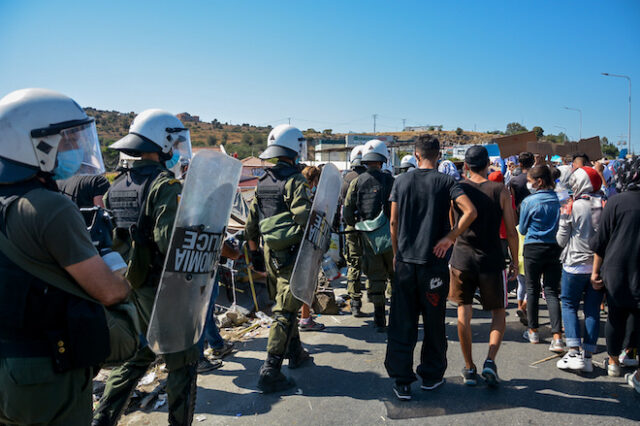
<point>492,285</point>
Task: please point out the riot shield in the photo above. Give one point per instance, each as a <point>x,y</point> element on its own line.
<point>317,235</point>
<point>179,311</point>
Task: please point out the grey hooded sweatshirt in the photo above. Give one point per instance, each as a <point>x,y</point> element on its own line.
<point>578,222</point>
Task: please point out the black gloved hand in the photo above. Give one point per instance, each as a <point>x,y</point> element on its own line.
<point>257,259</point>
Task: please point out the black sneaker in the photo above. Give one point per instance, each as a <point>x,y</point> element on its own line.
<point>490,373</point>
<point>470,376</point>
<point>428,385</point>
<point>205,365</point>
<point>403,392</point>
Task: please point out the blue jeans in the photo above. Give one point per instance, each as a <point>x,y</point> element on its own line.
<point>211,334</point>
<point>574,286</point>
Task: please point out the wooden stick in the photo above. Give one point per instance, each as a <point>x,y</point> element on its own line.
<point>549,358</point>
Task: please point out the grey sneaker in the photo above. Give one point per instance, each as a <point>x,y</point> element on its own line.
<point>633,381</point>
<point>613,370</point>
<point>557,346</point>
<point>310,325</point>
<point>531,336</point>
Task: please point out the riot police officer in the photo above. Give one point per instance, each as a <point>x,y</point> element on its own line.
<point>353,248</point>
<point>408,163</point>
<point>367,198</point>
<point>53,329</point>
<point>278,214</point>
<point>144,201</point>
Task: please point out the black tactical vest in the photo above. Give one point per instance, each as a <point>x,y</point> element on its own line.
<point>348,178</point>
<point>37,319</point>
<point>270,191</point>
<point>128,192</point>
<point>374,189</point>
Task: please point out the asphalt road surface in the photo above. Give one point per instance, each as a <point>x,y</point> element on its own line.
<point>347,383</point>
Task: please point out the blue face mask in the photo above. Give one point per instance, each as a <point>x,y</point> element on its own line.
<point>173,161</point>
<point>68,163</point>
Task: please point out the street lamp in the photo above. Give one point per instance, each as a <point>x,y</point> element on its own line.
<point>564,133</point>
<point>580,111</point>
<point>629,128</point>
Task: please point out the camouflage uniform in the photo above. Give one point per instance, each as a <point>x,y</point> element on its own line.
<point>145,268</point>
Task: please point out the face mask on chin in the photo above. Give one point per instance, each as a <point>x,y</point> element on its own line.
<point>169,164</point>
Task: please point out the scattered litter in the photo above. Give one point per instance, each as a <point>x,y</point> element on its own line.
<point>264,318</point>
<point>310,407</point>
<point>239,415</point>
<point>201,418</point>
<point>299,392</point>
<point>336,320</point>
<point>162,399</point>
<point>148,379</point>
<point>340,301</point>
<point>549,358</point>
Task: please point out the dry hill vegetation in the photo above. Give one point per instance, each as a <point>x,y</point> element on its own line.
<point>243,139</point>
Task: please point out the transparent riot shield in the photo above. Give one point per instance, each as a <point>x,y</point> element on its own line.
<point>179,311</point>
<point>317,235</point>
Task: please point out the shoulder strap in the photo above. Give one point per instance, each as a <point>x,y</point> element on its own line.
<point>46,273</point>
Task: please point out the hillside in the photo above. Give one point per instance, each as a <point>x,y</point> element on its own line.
<point>243,139</point>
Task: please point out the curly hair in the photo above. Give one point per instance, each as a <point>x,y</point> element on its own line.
<point>628,175</point>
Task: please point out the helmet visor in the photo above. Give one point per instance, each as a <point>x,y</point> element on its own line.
<point>182,148</point>
<point>82,139</point>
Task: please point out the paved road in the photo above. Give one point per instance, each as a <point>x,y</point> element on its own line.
<point>348,384</point>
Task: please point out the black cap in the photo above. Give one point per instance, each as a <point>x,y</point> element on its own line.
<point>477,156</point>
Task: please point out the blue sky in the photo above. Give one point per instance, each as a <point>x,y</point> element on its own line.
<point>332,65</point>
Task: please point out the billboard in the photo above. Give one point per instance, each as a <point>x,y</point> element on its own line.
<point>354,140</point>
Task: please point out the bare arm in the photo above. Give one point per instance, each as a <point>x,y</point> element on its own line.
<point>509,217</point>
<point>98,201</point>
<point>469,214</point>
<point>596,280</point>
<point>394,228</point>
<point>95,277</point>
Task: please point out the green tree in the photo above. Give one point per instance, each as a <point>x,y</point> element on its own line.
<point>212,140</point>
<point>515,128</point>
<point>605,140</point>
<point>610,150</point>
<point>225,137</point>
<point>327,132</point>
<point>539,131</point>
<point>459,131</point>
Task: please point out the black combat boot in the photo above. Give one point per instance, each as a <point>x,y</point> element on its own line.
<point>356,306</point>
<point>271,379</point>
<point>296,354</point>
<point>379,319</point>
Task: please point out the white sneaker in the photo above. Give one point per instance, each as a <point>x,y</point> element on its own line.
<point>531,336</point>
<point>588,365</point>
<point>571,361</point>
<point>628,360</point>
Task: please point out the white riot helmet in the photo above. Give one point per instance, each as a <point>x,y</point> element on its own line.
<point>355,157</point>
<point>375,150</point>
<point>284,141</point>
<point>408,162</point>
<point>155,130</point>
<point>43,130</point>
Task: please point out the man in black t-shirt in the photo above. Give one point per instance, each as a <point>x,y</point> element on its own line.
<point>477,262</point>
<point>518,184</point>
<point>85,190</point>
<point>421,237</point>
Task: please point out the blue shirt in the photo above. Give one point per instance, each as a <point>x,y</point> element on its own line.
<point>539,217</point>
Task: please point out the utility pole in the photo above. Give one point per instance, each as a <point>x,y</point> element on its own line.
<point>375,116</point>
<point>580,112</point>
<point>629,129</point>
<point>289,118</point>
<point>404,122</point>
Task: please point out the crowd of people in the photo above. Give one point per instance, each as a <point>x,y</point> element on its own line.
<point>73,300</point>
